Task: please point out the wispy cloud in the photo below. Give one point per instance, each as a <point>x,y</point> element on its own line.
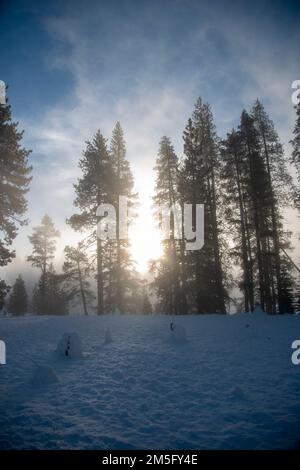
<point>144,64</point>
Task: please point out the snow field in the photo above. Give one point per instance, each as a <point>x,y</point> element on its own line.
<point>227,383</point>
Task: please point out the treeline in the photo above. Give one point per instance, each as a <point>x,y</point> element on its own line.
<point>106,263</point>
<point>244,184</point>
<point>56,292</point>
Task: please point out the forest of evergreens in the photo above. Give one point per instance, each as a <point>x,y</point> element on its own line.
<point>245,183</point>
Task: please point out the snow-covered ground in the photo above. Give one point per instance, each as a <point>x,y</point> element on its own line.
<point>230,385</point>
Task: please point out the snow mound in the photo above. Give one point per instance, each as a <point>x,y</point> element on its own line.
<point>69,346</point>
<point>43,375</point>
<point>108,337</point>
<point>178,333</point>
<point>237,393</point>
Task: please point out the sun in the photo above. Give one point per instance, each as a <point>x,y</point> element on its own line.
<point>145,237</point>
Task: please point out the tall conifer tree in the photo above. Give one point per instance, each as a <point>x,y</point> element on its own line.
<point>94,188</point>
<point>295,157</point>
<point>199,177</point>
<point>121,273</point>
<point>167,273</point>
<point>18,300</point>
<point>14,182</point>
<point>77,271</point>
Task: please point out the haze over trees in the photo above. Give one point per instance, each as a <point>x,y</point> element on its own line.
<point>199,182</point>
<point>48,295</point>
<point>257,189</point>
<point>244,183</point>
<point>93,189</point>
<point>122,277</point>
<point>168,271</point>
<point>106,174</point>
<point>77,271</point>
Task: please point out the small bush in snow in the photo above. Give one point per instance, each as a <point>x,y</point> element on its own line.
<point>178,333</point>
<point>69,346</point>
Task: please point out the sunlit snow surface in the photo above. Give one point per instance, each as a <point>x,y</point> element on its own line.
<point>230,385</point>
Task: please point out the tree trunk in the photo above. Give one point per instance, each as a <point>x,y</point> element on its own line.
<point>100,304</point>
<point>257,227</point>
<point>275,230</point>
<point>218,266</point>
<point>82,292</point>
<point>247,294</point>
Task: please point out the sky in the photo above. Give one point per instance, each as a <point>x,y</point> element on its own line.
<point>73,67</point>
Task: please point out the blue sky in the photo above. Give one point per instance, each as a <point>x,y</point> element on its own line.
<point>73,67</point>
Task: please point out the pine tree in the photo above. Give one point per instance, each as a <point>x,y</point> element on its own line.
<point>44,244</point>
<point>235,178</point>
<point>94,188</point>
<point>295,157</point>
<point>121,273</point>
<point>106,176</point>
<point>167,276</point>
<point>43,240</point>
<point>4,290</point>
<point>199,176</point>
<point>14,182</point>
<point>77,271</point>
<point>49,295</point>
<point>256,181</point>
<point>260,211</point>
<point>279,184</point>
<point>110,276</point>
<point>297,298</point>
<point>287,293</point>
<point>18,300</point>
